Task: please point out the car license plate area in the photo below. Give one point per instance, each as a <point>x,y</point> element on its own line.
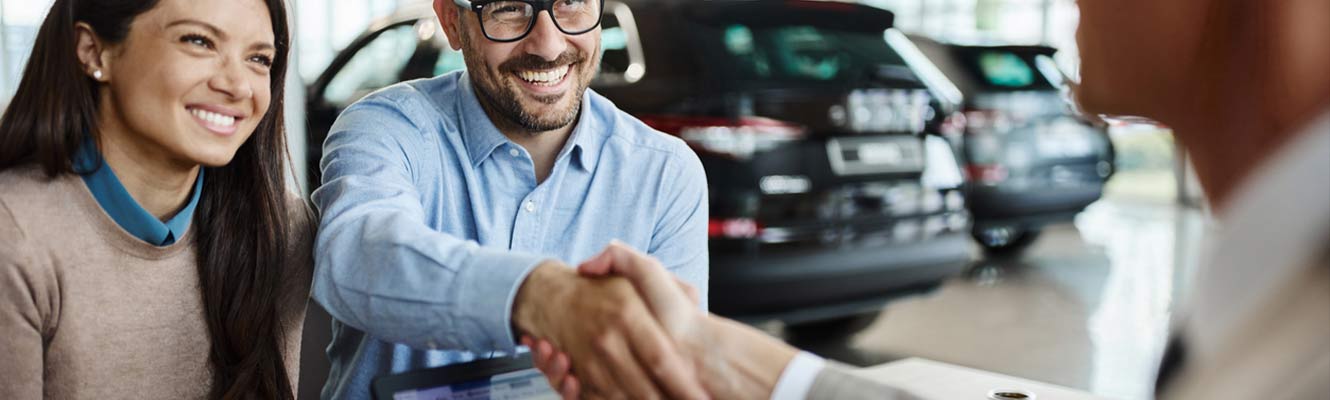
<point>875,155</point>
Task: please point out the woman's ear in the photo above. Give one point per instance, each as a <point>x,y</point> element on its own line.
<point>92,52</point>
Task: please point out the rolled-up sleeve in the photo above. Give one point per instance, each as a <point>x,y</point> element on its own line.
<point>380,268</point>
<point>680,237</point>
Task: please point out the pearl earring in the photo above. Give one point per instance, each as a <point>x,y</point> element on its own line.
<point>97,74</point>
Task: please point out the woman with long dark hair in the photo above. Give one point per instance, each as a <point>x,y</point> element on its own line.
<point>148,245</point>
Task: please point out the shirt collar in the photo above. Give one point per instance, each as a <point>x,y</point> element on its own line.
<point>482,137</point>
<point>112,196</point>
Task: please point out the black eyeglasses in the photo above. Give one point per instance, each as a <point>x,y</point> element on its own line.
<point>512,20</point>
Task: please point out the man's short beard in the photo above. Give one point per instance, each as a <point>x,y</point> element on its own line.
<point>505,103</point>
<point>508,108</point>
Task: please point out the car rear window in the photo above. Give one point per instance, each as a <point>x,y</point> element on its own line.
<point>1002,70</point>
<point>797,52</point>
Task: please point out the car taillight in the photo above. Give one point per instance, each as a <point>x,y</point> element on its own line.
<point>953,125</point>
<point>739,228</point>
<point>738,138</point>
<point>988,174</point>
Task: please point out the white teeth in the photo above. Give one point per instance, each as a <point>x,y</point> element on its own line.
<point>213,118</point>
<point>544,78</point>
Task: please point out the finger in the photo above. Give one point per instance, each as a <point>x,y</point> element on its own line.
<point>543,351</point>
<point>629,374</point>
<point>688,289</point>
<point>558,369</point>
<point>551,371</point>
<point>652,281</point>
<point>598,265</point>
<point>540,363</point>
<point>626,261</point>
<point>555,366</point>
<point>655,352</point>
<point>571,389</point>
<point>597,381</point>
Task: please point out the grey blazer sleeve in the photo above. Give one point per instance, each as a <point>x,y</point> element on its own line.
<point>838,381</point>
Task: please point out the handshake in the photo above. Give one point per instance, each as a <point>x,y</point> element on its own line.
<point>622,326</point>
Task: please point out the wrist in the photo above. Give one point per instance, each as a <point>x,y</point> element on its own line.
<point>546,284</point>
<point>744,362</point>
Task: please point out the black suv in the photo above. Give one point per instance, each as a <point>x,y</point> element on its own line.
<point>810,127</point>
<point>1031,158</point>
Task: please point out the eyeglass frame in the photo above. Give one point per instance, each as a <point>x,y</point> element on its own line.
<point>539,5</point>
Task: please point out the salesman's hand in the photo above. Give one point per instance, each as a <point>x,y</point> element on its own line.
<point>673,302</point>
<point>608,334</point>
<point>733,361</point>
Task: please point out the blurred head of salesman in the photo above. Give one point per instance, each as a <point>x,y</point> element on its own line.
<point>1245,85</point>
<point>1235,79</point>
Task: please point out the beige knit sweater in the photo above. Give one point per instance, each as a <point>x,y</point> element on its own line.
<point>89,311</point>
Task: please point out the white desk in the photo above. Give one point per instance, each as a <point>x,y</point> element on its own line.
<point>935,380</point>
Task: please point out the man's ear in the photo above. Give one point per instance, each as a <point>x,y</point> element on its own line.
<point>450,19</point>
<point>92,52</point>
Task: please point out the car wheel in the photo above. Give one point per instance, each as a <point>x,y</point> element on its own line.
<point>829,328</point>
<point>1005,239</point>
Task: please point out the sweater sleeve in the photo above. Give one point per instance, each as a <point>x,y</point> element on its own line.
<point>29,303</point>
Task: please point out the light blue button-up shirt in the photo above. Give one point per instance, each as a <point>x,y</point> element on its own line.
<point>431,219</point>
<point>123,209</point>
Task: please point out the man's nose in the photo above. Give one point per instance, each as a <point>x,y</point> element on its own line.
<point>546,40</point>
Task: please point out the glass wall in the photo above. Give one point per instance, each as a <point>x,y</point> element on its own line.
<point>322,27</point>
<point>19,20</point>
<point>1050,22</point>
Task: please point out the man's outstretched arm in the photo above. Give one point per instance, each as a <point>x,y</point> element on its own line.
<point>381,269</point>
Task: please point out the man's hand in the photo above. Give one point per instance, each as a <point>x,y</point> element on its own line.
<point>609,336</point>
<point>732,360</point>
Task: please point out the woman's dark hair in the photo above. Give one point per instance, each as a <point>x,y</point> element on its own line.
<point>241,224</point>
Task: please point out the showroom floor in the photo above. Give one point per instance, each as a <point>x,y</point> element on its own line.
<point>1086,307</point>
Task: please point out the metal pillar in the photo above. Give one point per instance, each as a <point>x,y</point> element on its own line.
<point>1046,23</point>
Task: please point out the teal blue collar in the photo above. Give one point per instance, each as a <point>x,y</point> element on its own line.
<point>122,207</point>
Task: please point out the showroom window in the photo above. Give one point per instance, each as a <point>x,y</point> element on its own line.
<point>376,65</point>
<point>621,49</point>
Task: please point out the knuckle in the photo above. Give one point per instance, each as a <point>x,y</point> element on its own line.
<point>623,319</point>
<point>603,343</point>
<point>660,368</point>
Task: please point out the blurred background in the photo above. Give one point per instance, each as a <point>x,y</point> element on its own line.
<point>889,178</point>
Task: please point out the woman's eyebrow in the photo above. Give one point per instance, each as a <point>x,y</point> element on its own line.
<point>213,29</point>
<point>209,27</point>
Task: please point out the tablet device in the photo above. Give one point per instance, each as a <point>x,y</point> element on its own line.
<point>503,378</point>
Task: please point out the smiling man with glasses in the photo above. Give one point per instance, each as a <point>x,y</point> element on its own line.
<point>451,205</point>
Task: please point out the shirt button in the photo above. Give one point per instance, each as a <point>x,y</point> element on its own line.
<point>514,152</point>
<point>530,206</point>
